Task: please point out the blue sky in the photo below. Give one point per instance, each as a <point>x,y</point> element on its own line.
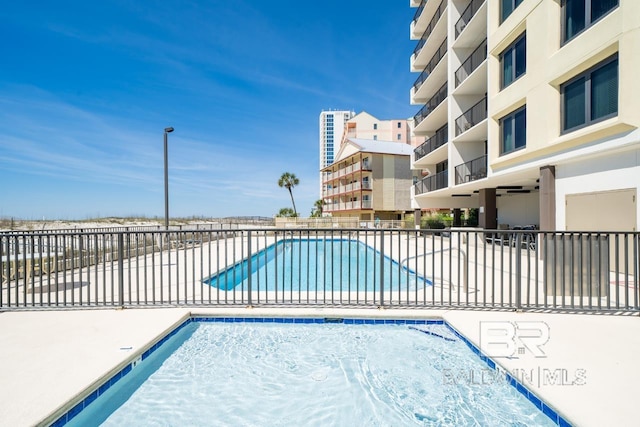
<point>87,87</point>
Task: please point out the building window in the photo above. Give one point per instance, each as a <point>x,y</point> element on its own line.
<point>591,96</point>
<point>375,137</point>
<point>513,61</point>
<point>399,125</point>
<point>375,126</point>
<point>399,136</point>
<point>581,14</point>
<point>513,131</point>
<point>507,7</point>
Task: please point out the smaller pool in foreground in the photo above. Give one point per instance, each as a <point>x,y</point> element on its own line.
<point>258,372</point>
<point>317,265</point>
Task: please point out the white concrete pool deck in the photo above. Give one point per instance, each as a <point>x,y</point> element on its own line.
<point>48,358</point>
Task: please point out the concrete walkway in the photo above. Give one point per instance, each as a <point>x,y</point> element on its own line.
<point>587,370</point>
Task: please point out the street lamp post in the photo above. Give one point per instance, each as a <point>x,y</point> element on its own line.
<point>166,179</point>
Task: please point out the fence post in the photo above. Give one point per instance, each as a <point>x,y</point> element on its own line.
<point>121,269</point>
<point>518,271</point>
<point>381,267</point>
<point>248,267</point>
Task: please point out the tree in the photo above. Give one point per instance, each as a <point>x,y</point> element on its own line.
<point>318,208</point>
<point>288,181</point>
<point>286,213</point>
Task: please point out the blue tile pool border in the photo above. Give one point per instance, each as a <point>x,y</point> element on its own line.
<point>551,413</point>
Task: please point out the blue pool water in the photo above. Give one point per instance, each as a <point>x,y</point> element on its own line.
<point>317,264</point>
<point>229,374</point>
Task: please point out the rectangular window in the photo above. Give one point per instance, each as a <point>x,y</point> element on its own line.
<point>399,136</point>
<point>581,14</point>
<point>375,126</point>
<point>507,7</point>
<point>375,137</point>
<point>513,61</point>
<point>591,96</point>
<point>513,131</point>
<point>399,125</point>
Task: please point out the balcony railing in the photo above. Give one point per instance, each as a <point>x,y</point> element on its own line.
<point>341,189</point>
<point>354,167</point>
<point>430,27</point>
<point>467,15</point>
<point>440,138</point>
<point>471,63</point>
<point>472,117</point>
<point>347,206</point>
<point>431,104</point>
<point>432,183</point>
<point>419,11</point>
<point>435,60</point>
<point>472,170</point>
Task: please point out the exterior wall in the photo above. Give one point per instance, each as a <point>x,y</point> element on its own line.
<point>402,181</point>
<point>549,65</point>
<point>615,171</point>
<point>362,126</point>
<point>518,209</point>
<point>377,166</point>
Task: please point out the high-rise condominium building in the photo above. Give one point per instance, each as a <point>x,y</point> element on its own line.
<point>531,111</point>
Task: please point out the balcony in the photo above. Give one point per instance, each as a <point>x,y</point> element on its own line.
<point>420,90</point>
<point>432,183</point>
<point>344,171</point>
<point>472,25</point>
<point>431,105</point>
<point>436,28</point>
<point>440,138</point>
<point>472,170</point>
<point>419,11</point>
<point>472,117</point>
<point>348,206</point>
<point>474,60</point>
<point>467,15</point>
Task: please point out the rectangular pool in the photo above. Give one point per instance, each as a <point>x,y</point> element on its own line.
<point>255,371</point>
<point>322,265</point>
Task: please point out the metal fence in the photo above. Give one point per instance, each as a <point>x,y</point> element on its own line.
<point>494,269</point>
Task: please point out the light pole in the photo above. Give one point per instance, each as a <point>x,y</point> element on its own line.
<point>166,179</point>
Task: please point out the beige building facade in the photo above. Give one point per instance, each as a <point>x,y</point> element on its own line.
<point>531,111</point>
<point>365,126</point>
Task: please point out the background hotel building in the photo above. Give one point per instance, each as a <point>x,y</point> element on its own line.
<point>531,110</point>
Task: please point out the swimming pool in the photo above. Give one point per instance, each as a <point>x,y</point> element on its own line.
<point>317,265</point>
<point>315,372</point>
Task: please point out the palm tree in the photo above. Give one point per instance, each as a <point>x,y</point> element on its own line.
<point>288,181</point>
<point>318,208</point>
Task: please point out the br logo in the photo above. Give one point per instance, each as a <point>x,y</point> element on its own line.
<point>514,339</point>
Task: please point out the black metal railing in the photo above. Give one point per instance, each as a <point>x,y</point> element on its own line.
<point>517,269</point>
<point>419,11</point>
<point>430,27</point>
<point>440,138</point>
<point>472,117</point>
<point>477,57</point>
<point>467,15</point>
<point>472,170</point>
<point>432,183</point>
<point>431,104</point>
<point>435,60</point>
